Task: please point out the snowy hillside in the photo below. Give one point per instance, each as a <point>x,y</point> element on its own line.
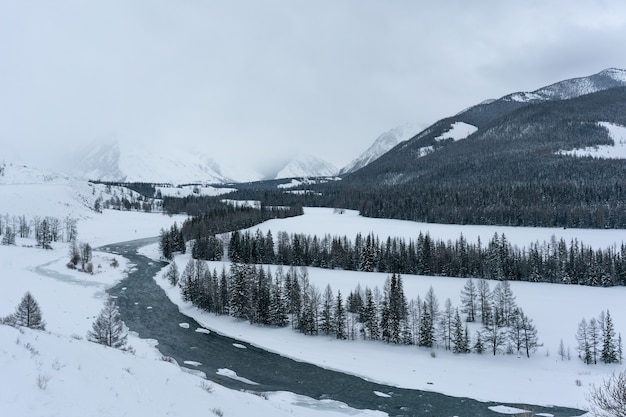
<point>58,373</point>
<point>382,144</point>
<point>615,151</point>
<point>574,87</point>
<point>115,161</point>
<point>307,166</point>
<point>31,192</point>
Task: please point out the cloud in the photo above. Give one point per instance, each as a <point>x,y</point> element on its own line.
<point>251,82</point>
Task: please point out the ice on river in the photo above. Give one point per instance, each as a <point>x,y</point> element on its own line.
<point>203,330</point>
<point>233,375</point>
<point>184,325</point>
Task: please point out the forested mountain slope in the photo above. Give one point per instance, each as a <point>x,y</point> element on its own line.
<point>509,171</point>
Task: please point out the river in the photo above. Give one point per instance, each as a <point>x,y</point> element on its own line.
<point>146,310</point>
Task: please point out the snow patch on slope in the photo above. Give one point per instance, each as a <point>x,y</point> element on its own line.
<point>615,151</point>
<point>458,131</point>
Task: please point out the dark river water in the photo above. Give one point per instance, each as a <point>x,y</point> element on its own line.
<point>145,308</point>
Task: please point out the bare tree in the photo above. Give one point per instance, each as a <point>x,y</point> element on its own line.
<point>109,329</point>
<point>609,399</point>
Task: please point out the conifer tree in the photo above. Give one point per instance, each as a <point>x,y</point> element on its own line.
<point>27,314</point>
<point>609,344</point>
<point>109,329</point>
<point>340,318</point>
<point>478,345</point>
<point>278,304</point>
<point>458,336</point>
<point>326,324</point>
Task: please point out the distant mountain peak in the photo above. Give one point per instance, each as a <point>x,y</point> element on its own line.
<point>574,87</point>
<point>383,143</point>
<point>305,165</point>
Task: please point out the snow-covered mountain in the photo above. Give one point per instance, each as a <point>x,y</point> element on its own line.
<point>609,78</point>
<point>307,166</point>
<point>382,144</point>
<point>112,160</point>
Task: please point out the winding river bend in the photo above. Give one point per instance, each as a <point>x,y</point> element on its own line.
<point>145,308</point>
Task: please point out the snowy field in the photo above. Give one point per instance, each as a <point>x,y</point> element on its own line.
<point>555,309</point>
<point>57,373</point>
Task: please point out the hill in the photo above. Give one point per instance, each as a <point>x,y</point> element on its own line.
<point>506,162</point>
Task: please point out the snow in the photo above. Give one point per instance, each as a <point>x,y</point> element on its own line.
<point>383,143</point>
<point>201,330</point>
<point>58,372</point>
<point>615,151</point>
<point>193,190</point>
<point>543,379</point>
<point>233,375</point>
<point>458,131</point>
<point>307,166</point>
<point>322,221</point>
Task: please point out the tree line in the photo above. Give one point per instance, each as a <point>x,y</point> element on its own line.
<point>556,261</point>
<point>254,293</point>
<point>217,218</point>
<point>45,230</point>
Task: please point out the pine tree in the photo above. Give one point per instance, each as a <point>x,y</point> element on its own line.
<point>109,329</point>
<point>478,345</point>
<point>27,314</point>
<point>593,331</point>
<point>369,317</point>
<point>458,336</point>
<point>426,328</point>
<point>240,292</point>
<point>326,324</point>
<point>340,318</point>
<point>609,344</point>
<point>278,304</point>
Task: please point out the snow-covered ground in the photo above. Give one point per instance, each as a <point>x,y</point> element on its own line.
<point>555,309</point>
<point>58,372</point>
<point>321,221</point>
<point>615,151</point>
<point>458,131</point>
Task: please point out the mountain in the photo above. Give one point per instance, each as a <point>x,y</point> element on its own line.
<point>111,160</point>
<point>306,166</point>
<point>381,145</point>
<point>509,161</point>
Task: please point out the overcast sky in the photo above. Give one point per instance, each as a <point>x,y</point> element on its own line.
<point>260,79</point>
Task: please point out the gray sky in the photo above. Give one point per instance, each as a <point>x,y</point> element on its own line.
<point>259,79</point>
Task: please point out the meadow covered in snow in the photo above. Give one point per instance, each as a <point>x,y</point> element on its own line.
<point>58,372</point>
<point>544,378</point>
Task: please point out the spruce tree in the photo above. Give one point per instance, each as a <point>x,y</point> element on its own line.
<point>340,318</point>
<point>609,348</point>
<point>109,329</point>
<point>458,336</point>
<point>27,314</point>
<point>326,324</point>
